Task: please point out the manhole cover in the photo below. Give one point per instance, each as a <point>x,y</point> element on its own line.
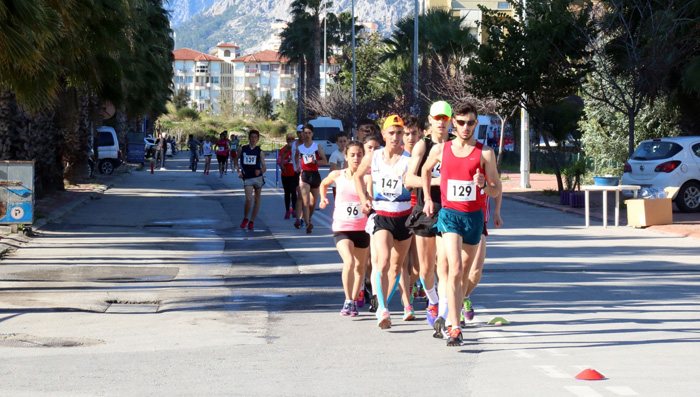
<point>24,340</point>
<point>132,307</point>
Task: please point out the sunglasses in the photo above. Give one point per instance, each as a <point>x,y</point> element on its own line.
<point>467,122</point>
<point>442,117</point>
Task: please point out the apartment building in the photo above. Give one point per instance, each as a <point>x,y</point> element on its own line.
<point>469,9</point>
<point>227,76</point>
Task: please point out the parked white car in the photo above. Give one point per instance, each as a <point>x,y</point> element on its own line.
<point>109,155</point>
<point>150,148</point>
<point>668,162</point>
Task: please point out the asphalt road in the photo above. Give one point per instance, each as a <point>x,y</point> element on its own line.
<point>154,290</point>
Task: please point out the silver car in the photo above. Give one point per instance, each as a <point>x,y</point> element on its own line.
<point>668,162</point>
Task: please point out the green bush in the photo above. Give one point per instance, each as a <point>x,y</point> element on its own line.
<point>187,113</point>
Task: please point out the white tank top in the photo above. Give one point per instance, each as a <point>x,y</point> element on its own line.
<point>206,148</point>
<point>390,196</point>
<point>308,157</point>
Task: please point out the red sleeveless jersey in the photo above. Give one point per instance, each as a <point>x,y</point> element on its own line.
<point>457,188</point>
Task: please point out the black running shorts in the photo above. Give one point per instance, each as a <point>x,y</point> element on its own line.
<point>359,238</point>
<point>311,178</point>
<point>396,225</point>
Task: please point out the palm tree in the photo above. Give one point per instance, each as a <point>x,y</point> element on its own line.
<point>294,46</point>
<point>310,11</point>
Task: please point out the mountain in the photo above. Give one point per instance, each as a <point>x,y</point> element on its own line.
<point>201,24</point>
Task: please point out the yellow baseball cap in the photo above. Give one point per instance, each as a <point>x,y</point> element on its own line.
<point>391,121</point>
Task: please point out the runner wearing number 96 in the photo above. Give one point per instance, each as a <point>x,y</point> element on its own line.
<point>462,191</point>
<point>391,202</point>
<point>349,222</point>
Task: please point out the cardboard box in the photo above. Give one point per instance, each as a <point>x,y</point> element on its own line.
<point>648,212</point>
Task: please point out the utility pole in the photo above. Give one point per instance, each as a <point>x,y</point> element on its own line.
<point>354,98</point>
<point>524,136</point>
<point>415,109</point>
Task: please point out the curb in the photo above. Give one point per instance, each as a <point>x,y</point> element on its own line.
<point>659,228</point>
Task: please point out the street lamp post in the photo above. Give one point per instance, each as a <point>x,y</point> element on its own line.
<point>415,59</point>
<point>325,57</point>
<point>524,141</point>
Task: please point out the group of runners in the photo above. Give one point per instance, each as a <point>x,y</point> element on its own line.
<point>410,209</point>
<point>224,148</point>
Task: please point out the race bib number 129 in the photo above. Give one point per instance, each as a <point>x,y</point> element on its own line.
<point>461,190</point>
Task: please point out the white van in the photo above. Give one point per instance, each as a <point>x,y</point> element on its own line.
<point>110,157</point>
<point>325,129</point>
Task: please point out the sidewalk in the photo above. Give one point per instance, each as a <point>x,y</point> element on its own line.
<point>544,193</point>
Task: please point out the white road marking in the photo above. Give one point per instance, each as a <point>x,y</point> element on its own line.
<point>523,354</point>
<point>622,390</point>
<point>556,352</point>
<point>553,372</point>
<point>582,391</point>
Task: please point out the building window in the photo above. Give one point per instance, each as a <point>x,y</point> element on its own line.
<point>275,67</point>
<point>202,69</point>
<point>179,79</point>
<point>265,67</point>
<point>179,65</point>
<point>264,80</point>
<point>215,66</point>
<point>240,81</point>
<point>215,79</point>
<point>227,53</point>
<point>189,79</point>
<point>239,66</point>
<point>503,5</point>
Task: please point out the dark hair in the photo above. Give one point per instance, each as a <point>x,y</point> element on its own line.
<point>309,126</point>
<point>340,134</point>
<point>251,132</point>
<point>373,126</point>
<point>373,137</point>
<point>413,121</point>
<point>191,136</point>
<point>355,144</point>
<point>464,109</point>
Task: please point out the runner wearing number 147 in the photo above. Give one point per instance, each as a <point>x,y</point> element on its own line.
<point>349,222</point>
<point>462,190</point>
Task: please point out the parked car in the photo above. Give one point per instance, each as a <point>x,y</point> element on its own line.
<point>109,155</point>
<point>325,129</point>
<point>150,149</point>
<point>668,162</point>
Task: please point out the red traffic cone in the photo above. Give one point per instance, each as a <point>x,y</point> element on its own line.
<point>590,374</point>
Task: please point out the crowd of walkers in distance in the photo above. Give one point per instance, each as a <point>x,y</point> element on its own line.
<point>410,207</point>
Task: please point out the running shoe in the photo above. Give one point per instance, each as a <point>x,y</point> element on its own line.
<point>353,310</point>
<point>360,299</point>
<point>455,338</point>
<point>244,223</point>
<point>408,313</point>
<point>373,304</point>
<point>467,309</point>
<point>345,311</point>
<point>309,228</point>
<point>288,214</point>
<point>384,320</point>
<point>431,313</point>
<point>250,225</point>
<point>297,224</point>
<point>439,327</point>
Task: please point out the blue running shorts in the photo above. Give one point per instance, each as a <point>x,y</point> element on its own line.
<point>469,225</point>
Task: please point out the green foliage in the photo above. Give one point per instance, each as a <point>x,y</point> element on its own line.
<point>181,99</point>
<point>287,110</point>
<point>573,174</point>
<point>262,104</point>
<point>187,113</point>
<point>606,132</point>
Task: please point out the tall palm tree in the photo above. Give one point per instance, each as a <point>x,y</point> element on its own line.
<point>310,10</point>
<point>294,45</point>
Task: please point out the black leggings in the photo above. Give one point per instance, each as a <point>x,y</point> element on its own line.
<point>290,183</point>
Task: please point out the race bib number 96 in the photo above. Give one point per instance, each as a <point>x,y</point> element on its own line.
<point>249,159</point>
<point>351,211</point>
<point>461,190</point>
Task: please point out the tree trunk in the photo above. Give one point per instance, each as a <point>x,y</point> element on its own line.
<point>7,127</point>
<point>630,121</point>
<point>557,171</point>
<point>301,93</point>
